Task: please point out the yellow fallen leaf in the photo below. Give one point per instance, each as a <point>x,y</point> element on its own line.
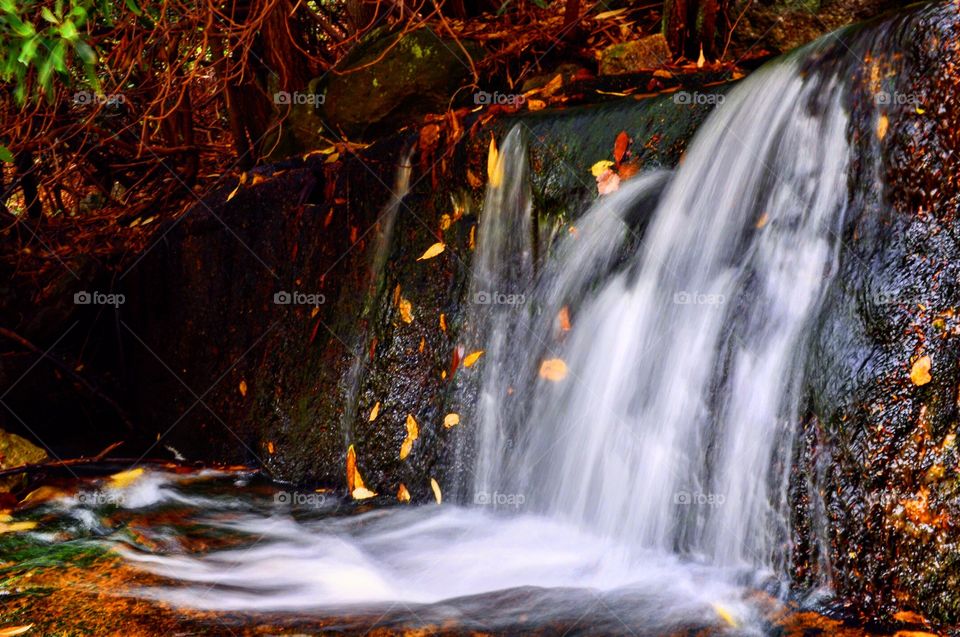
<point>920,372</point>
<point>473,237</point>
<point>443,323</point>
<point>701,60</point>
<point>725,615</point>
<point>436,491</point>
<point>374,412</point>
<point>494,169</point>
<point>14,527</point>
<point>882,124</point>
<point>472,358</point>
<point>332,158</point>
<point>40,494</point>
<point>402,494</point>
<point>536,105</point>
<point>12,631</point>
<point>451,420</point>
<point>601,167</point>
<point>553,369</point>
<point>362,493</point>
<point>762,221</point>
<point>243,388</point>
<point>413,432</point>
<point>432,251</point>
<point>920,111</point>
<point>125,478</point>
<point>270,447</point>
<point>406,311</point>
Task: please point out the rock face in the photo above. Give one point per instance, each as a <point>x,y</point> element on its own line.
<point>878,466</point>
<point>237,377</point>
<point>394,81</point>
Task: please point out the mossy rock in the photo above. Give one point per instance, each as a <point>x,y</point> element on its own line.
<point>395,81</point>
<point>14,452</point>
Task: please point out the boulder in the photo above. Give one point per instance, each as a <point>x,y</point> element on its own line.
<point>646,53</point>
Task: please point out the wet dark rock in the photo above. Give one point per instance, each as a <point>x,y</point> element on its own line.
<point>878,459</point>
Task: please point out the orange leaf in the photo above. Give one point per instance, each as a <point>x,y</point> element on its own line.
<point>563,319</point>
<point>620,147</point>
<point>451,420</point>
<point>436,491</point>
<point>243,388</point>
<point>472,358</point>
<point>432,251</point>
<point>402,494</point>
<point>406,311</point>
<point>374,412</point>
<point>553,369</point>
<point>920,372</point>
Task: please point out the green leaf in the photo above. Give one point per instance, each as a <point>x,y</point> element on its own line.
<point>132,5</point>
<point>5,155</point>
<point>47,15</point>
<point>86,53</point>
<point>68,31</point>
<point>28,51</point>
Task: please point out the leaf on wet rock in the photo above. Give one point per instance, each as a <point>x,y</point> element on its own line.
<point>451,420</point>
<point>608,182</point>
<point>472,358</point>
<point>243,388</point>
<point>553,369</point>
<point>494,168</point>
<point>882,125</point>
<point>725,615</point>
<point>402,494</point>
<point>601,167</point>
<point>620,147</point>
<point>406,311</point>
<point>920,372</point>
<point>413,432</point>
<point>432,251</point>
<point>374,412</point>
<point>125,478</point>
<point>436,491</point>
<point>443,323</point>
<point>358,490</point>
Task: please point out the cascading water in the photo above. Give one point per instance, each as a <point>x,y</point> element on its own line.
<point>653,473</point>
<point>671,427</point>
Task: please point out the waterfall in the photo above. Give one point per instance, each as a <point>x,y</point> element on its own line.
<point>672,428</point>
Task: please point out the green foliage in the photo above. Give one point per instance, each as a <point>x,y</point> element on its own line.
<point>41,41</point>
